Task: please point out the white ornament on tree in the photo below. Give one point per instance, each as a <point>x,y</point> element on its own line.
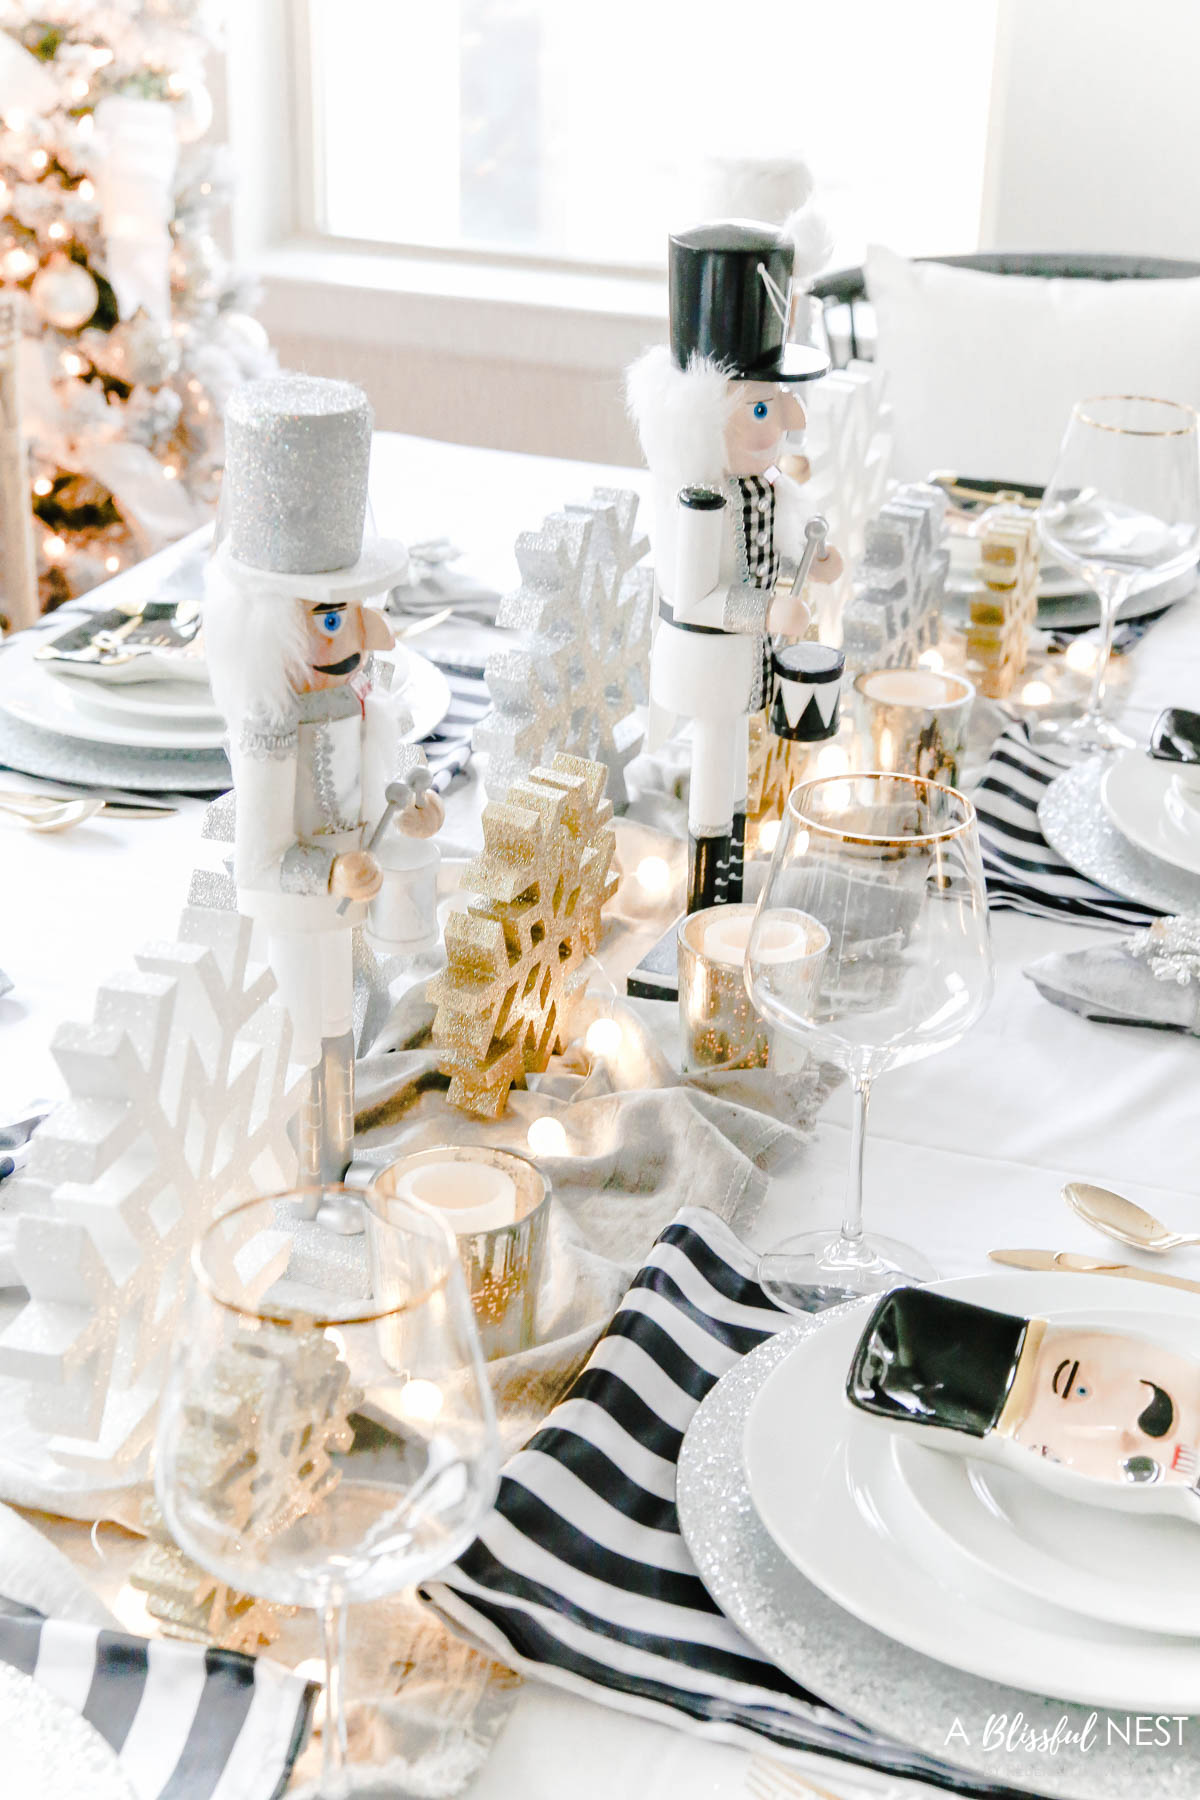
<point>64,294</point>
<point>584,609</point>
<point>137,152</point>
<point>181,1102</point>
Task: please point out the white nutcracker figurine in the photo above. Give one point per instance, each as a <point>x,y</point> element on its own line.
<point>332,807</point>
<point>713,412</point>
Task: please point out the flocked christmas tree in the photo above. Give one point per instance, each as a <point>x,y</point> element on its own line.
<point>135,328</point>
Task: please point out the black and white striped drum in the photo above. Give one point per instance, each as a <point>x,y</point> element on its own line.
<point>806,688</point>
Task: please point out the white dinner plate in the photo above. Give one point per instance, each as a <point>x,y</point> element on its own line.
<point>51,704</point>
<point>1140,797</point>
<point>1142,1573</point>
<point>827,1487</point>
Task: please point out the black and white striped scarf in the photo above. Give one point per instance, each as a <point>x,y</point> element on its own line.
<point>186,1722</point>
<point>580,1576</point>
<point>1023,873</point>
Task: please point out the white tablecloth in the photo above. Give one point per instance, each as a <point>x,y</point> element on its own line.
<point>966,1152</point>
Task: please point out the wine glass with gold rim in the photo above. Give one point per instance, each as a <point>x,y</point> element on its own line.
<point>1122,512</point>
<point>326,1433</point>
<point>877,881</point>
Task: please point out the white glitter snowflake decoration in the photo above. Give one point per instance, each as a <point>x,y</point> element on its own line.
<point>181,1097</point>
<point>579,673</point>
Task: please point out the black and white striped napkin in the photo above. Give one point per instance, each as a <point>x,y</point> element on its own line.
<point>1023,873</point>
<point>580,1576</point>
<point>448,748</point>
<point>186,1722</point>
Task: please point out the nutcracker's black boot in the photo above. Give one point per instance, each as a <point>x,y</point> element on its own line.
<point>708,871</point>
<point>737,860</point>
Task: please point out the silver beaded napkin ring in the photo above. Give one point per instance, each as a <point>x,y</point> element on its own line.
<point>1171,949</point>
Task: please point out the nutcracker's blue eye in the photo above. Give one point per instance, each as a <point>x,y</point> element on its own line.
<point>331,622</point>
<point>760,409</point>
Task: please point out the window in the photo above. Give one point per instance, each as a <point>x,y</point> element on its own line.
<point>578,133</point>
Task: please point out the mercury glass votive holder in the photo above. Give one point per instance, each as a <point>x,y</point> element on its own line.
<point>913,722</point>
<point>498,1206</point>
<point>720,1026</point>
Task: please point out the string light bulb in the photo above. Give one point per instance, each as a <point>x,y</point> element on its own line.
<point>54,548</point>
<point>654,874</point>
<point>546,1137</point>
<point>1036,693</point>
<point>43,486</point>
<point>1083,656</point>
<point>603,1037</point>
<point>112,564</point>
<point>86,189</point>
<point>931,659</point>
<point>57,231</point>
<point>768,835</point>
<point>71,363</point>
<point>170,471</point>
<point>40,160</point>
<point>19,263</point>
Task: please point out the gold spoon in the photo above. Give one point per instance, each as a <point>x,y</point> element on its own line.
<point>42,813</point>
<point>1119,1218</point>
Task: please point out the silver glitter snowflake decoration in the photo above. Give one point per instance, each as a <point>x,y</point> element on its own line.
<point>895,611</point>
<point>576,679</point>
<point>181,1095</point>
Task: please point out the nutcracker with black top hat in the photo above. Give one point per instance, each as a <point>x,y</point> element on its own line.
<point>333,809</point>
<point>713,411</point>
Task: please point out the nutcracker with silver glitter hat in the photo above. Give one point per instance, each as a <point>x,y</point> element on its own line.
<point>333,809</point>
<point>713,411</point>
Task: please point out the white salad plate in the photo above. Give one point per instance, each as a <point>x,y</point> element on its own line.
<point>1141,1573</point>
<point>112,716</point>
<point>829,1489</point>
<point>1143,800</point>
<point>169,703</point>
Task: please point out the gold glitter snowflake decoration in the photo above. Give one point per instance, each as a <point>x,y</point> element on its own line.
<point>261,1447</point>
<point>513,959</point>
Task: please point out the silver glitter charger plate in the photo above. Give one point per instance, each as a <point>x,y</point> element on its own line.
<point>44,753</point>
<point>1073,821</point>
<point>50,1751</point>
<point>894,1690</point>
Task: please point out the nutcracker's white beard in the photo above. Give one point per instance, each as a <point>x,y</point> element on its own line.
<point>256,646</point>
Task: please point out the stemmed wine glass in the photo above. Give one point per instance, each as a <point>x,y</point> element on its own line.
<point>326,1433</point>
<point>883,875</point>
<point>1122,511</point>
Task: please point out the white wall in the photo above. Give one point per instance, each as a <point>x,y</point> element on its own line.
<point>1095,139</point>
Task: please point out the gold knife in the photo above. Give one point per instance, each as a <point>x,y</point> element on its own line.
<point>1071,1260</point>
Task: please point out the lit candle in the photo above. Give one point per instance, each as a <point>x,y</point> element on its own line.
<point>475,1196</point>
<point>778,939</point>
<point>913,687</point>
